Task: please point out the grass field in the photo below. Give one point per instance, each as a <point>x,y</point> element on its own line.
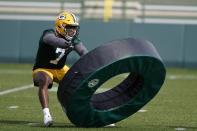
<point>174,107</point>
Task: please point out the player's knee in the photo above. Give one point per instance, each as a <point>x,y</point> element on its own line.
<point>42,80</point>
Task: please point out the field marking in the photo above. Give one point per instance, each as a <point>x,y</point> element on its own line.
<point>170,77</point>
<point>16,89</point>
<point>13,107</point>
<point>182,77</point>
<point>142,111</point>
<point>180,129</point>
<point>33,124</point>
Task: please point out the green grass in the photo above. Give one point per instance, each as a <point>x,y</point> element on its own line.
<point>14,75</point>
<point>174,106</point>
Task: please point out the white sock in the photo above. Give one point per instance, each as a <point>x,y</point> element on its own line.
<point>46,111</point>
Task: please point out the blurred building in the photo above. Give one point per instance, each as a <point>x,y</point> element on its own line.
<point>170,25</point>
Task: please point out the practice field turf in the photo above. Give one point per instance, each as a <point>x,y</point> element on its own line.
<point>173,108</point>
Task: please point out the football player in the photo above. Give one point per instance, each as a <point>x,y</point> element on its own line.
<point>54,46</point>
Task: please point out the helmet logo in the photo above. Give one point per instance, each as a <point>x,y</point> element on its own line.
<point>61,17</point>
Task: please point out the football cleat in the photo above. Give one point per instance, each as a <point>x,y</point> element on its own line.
<point>48,121</point>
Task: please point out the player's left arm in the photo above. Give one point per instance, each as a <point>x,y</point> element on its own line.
<point>79,46</point>
<point>80,49</point>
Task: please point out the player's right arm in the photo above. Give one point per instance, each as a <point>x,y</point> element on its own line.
<point>51,39</point>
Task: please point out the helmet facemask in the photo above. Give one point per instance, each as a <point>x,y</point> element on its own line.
<point>70,32</point>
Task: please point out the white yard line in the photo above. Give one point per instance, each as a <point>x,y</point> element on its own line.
<point>16,89</point>
<point>170,77</point>
<point>180,129</point>
<point>182,77</point>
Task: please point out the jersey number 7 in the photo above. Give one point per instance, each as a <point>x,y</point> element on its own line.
<point>61,53</point>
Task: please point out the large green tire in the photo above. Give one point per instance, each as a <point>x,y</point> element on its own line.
<point>76,91</point>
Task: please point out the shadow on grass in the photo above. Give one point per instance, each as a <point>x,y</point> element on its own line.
<point>35,124</point>
<point>14,122</point>
<point>40,125</point>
